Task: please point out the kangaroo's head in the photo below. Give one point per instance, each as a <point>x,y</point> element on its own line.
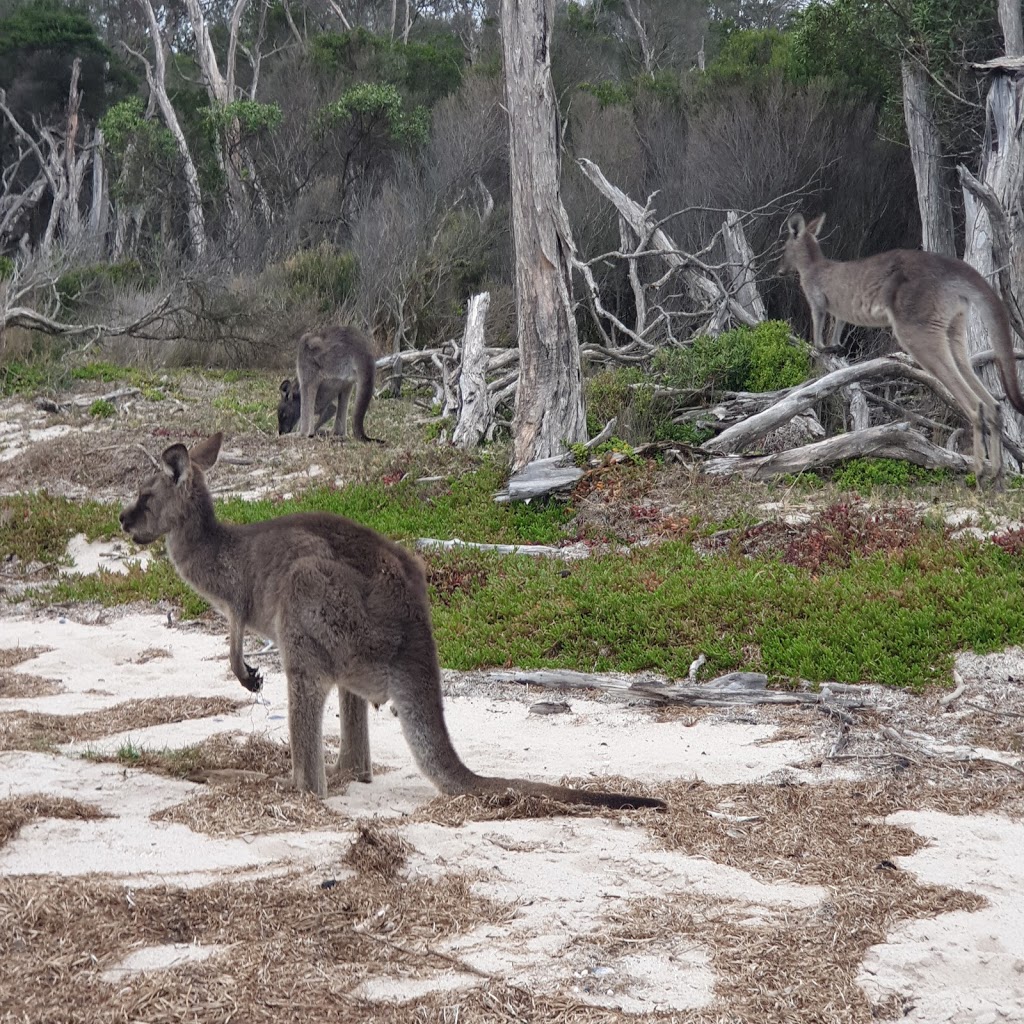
<point>172,494</point>
<point>289,407</point>
<point>801,247</point>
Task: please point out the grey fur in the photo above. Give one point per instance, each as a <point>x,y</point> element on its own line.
<point>923,298</point>
<point>346,607</point>
<point>329,364</point>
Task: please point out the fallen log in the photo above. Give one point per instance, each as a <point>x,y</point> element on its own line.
<point>889,441</point>
<point>736,688</point>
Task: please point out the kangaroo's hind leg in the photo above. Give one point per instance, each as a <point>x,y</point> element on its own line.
<point>354,756</point>
<point>991,440</point>
<point>929,345</point>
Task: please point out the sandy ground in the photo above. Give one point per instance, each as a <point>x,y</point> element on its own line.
<point>560,876</point>
<point>564,880</point>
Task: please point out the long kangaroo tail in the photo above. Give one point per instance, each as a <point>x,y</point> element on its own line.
<point>364,393</point>
<point>422,717</point>
<point>1002,342</point>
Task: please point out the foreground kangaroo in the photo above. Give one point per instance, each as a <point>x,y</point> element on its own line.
<point>923,298</point>
<point>330,363</point>
<point>346,607</point>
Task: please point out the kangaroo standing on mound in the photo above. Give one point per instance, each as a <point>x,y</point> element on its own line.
<point>923,298</point>
<point>330,363</point>
<point>346,607</point>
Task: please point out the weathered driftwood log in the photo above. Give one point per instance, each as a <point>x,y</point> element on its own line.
<point>568,554</point>
<point>889,441</point>
<point>736,688</point>
<point>475,409</point>
<point>800,399</point>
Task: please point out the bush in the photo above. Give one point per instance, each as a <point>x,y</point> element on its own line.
<point>758,359</point>
<point>89,282</point>
<point>323,276</point>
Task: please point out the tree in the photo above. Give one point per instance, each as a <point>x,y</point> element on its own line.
<point>549,409</point>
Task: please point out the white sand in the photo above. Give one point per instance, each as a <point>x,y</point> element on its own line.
<point>563,875</point>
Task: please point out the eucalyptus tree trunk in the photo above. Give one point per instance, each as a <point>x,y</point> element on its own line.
<point>926,156</point>
<point>549,409</point>
<point>156,78</point>
<point>994,235</point>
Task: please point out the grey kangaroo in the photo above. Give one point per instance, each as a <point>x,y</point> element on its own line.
<point>346,607</point>
<point>329,364</point>
<point>923,298</point>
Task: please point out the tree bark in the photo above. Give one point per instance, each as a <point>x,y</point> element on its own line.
<point>926,156</point>
<point>1013,34</point>
<point>889,441</point>
<point>994,236</point>
<point>156,77</point>
<point>475,410</point>
<point>549,410</point>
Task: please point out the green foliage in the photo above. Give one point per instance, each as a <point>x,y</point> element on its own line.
<point>372,105</point>
<point>252,117</point>
<point>146,144</point>
<point>102,409</point>
<point>37,527</point>
<point>39,42</point>
<point>18,378</point>
<point>6,268</point>
<point>322,275</point>
<point>609,93</point>
<point>895,620</point>
<point>608,395</point>
<point>582,454</point>
<point>745,359</point>
<point>862,475</point>
<point>751,56</point>
<point>427,70</point>
<point>82,283</point>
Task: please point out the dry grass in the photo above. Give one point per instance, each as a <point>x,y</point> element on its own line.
<point>296,950</point>
<point>377,850</point>
<point>19,811</point>
<point>21,684</point>
<point>31,730</point>
<point>250,807</point>
<point>224,752</point>
<point>11,656</point>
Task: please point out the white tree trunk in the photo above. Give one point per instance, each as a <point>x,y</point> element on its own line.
<point>739,258</point>
<point>156,77</point>
<point>1013,34</point>
<point>549,409</point>
<point>99,206</point>
<point>926,156</point>
<point>1001,173</point>
<point>475,412</point>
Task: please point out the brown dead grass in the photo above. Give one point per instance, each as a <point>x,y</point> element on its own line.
<point>32,730</point>
<point>21,684</point>
<point>250,808</point>
<point>295,950</point>
<point>11,656</point>
<point>377,850</point>
<point>227,751</point>
<point>17,812</point>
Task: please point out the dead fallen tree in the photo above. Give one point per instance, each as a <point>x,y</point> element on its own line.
<point>734,689</point>
<point>888,441</point>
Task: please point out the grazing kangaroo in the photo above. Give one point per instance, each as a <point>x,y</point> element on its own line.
<point>346,607</point>
<point>330,363</point>
<point>923,298</point>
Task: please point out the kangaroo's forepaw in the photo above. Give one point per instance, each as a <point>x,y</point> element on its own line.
<point>254,681</point>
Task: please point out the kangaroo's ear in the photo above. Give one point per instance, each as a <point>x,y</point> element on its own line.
<point>176,463</point>
<point>816,225</point>
<point>204,454</point>
<point>795,224</point>
<point>285,385</point>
